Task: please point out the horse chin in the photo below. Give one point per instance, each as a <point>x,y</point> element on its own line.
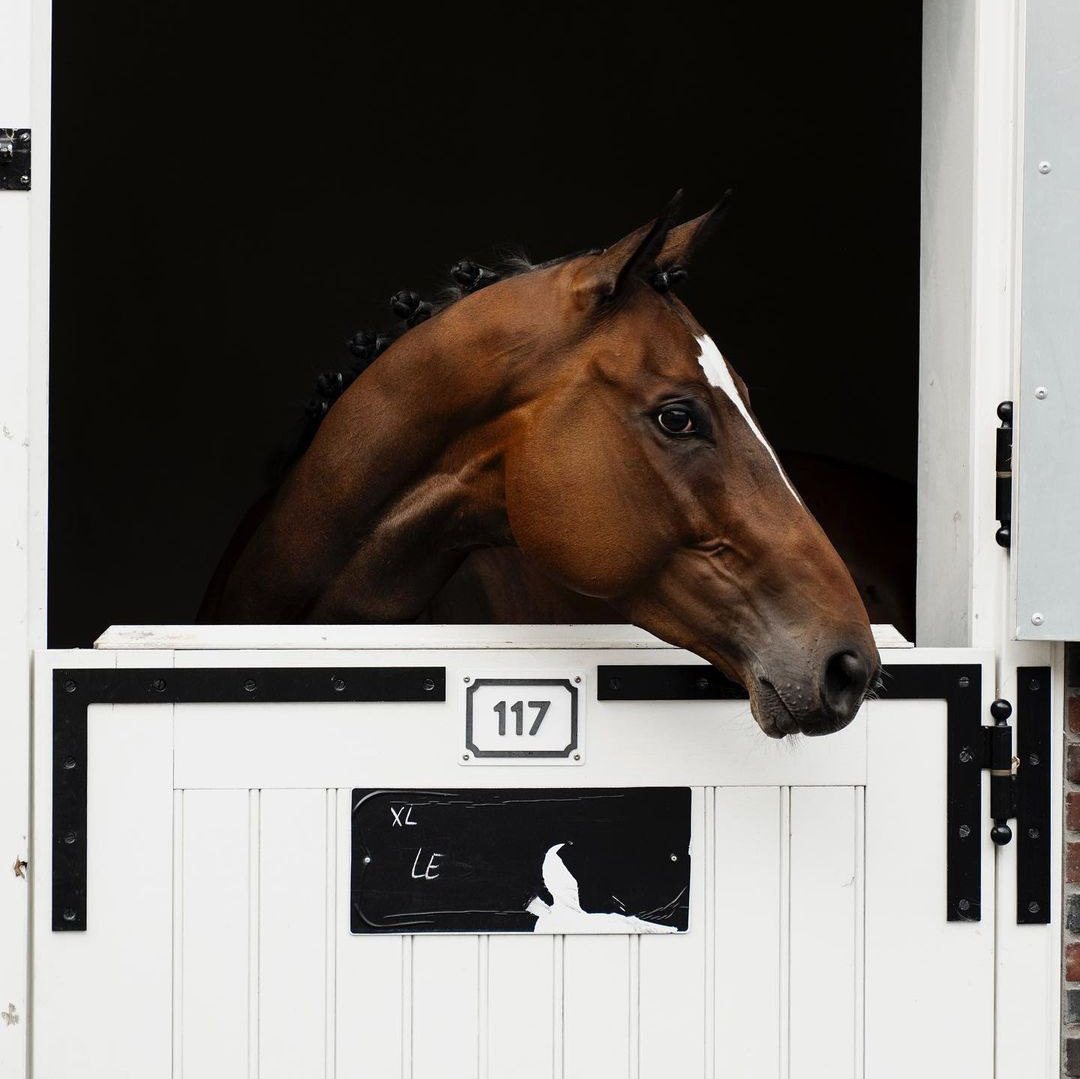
<point>768,708</point>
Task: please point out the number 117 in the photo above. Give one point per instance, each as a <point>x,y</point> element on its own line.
<point>518,708</point>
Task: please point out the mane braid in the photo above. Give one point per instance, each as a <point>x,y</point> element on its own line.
<point>366,345</point>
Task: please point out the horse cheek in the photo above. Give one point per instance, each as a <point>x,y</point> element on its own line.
<point>569,511</point>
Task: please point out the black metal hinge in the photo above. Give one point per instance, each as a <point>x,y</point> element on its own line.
<point>75,690</point>
<point>1020,789</point>
<point>14,159</point>
<point>1003,475</point>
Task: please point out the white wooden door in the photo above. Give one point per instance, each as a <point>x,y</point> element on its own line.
<point>218,941</point>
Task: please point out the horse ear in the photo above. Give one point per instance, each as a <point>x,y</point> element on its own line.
<point>606,275</point>
<point>683,241</point>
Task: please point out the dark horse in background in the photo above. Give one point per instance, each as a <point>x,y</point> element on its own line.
<point>565,442</point>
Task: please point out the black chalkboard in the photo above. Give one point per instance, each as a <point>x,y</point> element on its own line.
<point>567,860</point>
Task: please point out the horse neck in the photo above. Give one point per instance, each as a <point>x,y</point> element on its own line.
<point>403,479</point>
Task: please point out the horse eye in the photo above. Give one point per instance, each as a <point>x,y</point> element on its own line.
<point>676,420</point>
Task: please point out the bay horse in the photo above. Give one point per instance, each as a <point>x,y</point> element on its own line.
<point>575,412</point>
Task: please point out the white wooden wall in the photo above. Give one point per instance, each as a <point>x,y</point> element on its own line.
<point>219,943</point>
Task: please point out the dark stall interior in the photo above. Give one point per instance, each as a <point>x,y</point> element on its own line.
<point>237,189</point>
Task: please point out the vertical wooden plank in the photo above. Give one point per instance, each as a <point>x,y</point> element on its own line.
<point>292,936</point>
<point>823,885</point>
<point>213,959</point>
<point>369,981</point>
<point>925,976</point>
<point>254,803</point>
<point>671,1034</point>
<point>596,1007</point>
<point>330,935</point>
<point>445,994</point>
<point>521,1033</point>
<point>747,931</point>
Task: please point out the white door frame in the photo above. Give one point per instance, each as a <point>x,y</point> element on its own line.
<point>972,87</point>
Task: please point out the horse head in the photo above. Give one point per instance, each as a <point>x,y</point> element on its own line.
<point>580,412</point>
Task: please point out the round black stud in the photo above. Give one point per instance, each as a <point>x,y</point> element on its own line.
<point>339,685</point>
<point>1001,834</point>
<point>702,683</point>
<point>69,838</point>
<point>250,685</point>
<point>1000,710</point>
<point>1003,536</point>
<point>158,685</point>
<point>70,686</point>
<point>70,763</point>
<point>1005,413</point>
<point>429,684</point>
<point>405,303</point>
<point>68,914</point>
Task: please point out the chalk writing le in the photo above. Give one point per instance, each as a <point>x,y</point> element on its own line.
<point>429,873</point>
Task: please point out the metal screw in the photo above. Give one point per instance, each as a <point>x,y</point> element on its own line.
<point>965,831</point>
<point>158,685</point>
<point>429,684</point>
<point>467,681</point>
<point>69,838</point>
<point>69,914</point>
<point>577,756</point>
<point>464,756</point>
<point>1033,907</point>
<point>367,859</point>
<point>1033,760</point>
<point>1040,393</point>
<point>250,686</point>
<point>577,679</point>
<point>339,685</point>
<point>702,683</point>
<point>69,763</point>
<point>24,136</point>
<point>614,683</point>
<point>24,179</point>
<point>964,904</point>
<point>70,686</point>
<point>1033,833</point>
<point>1044,167</point>
<point>1037,619</point>
<point>1034,685</point>
<point>674,857</point>
<point>963,682</point>
<point>966,756</point>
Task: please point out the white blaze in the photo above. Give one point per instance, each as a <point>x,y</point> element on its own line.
<point>717,372</point>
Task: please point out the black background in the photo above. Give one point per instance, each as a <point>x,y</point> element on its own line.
<point>237,188</point>
<point>619,844</point>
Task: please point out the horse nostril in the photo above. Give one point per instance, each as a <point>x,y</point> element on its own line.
<point>847,676</point>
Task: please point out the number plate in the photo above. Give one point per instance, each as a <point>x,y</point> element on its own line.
<point>523,720</point>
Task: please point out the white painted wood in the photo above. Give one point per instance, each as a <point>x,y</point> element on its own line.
<point>16,530</point>
<point>596,1007</point>
<point>822,955</point>
<point>747,889</point>
<point>292,934</point>
<point>445,1003</point>
<point>402,637</point>
<point>926,978</point>
<point>370,987</point>
<point>213,959</point>
<point>102,999</point>
<point>520,1007</point>
<point>671,1025</point>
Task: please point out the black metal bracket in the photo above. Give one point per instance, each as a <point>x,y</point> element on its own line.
<point>1003,475</point>
<point>14,159</point>
<point>1033,789</point>
<point>75,690</point>
<point>958,684</point>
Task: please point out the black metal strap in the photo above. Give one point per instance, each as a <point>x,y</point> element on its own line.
<point>958,684</point>
<point>75,690</point>
<point>1033,821</point>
